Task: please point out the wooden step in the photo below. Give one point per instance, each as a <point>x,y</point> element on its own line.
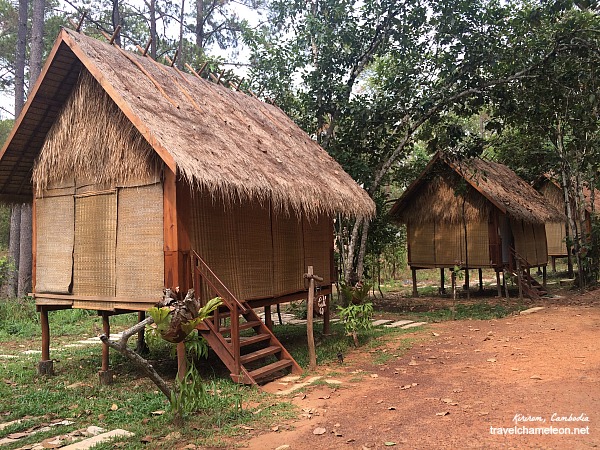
<point>259,354</point>
<point>269,369</point>
<point>243,326</point>
<point>244,341</point>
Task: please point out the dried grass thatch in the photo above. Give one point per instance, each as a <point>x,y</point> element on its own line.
<point>441,201</point>
<point>553,194</point>
<point>93,140</point>
<point>497,184</point>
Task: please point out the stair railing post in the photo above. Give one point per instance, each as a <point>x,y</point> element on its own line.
<point>312,355</point>
<point>235,337</point>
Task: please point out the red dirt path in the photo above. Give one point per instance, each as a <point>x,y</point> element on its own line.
<point>464,378</point>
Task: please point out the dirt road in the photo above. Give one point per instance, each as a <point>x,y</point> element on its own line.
<point>460,385</point>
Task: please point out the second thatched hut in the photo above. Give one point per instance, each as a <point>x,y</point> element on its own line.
<point>473,214</point>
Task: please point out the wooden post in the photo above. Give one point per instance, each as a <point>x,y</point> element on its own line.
<point>415,293</point>
<point>480,280</point>
<point>141,346</point>
<point>234,319</point>
<point>312,355</point>
<point>544,277</point>
<point>327,317</point>
<point>105,375</point>
<point>442,281</point>
<point>46,365</point>
<point>498,285</point>
<point>505,284</point>
<point>181,360</point>
<point>553,258</point>
<point>519,278</point>
<point>268,318</point>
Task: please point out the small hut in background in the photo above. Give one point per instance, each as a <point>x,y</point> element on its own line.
<point>143,177</point>
<point>474,214</point>
<point>557,232</point>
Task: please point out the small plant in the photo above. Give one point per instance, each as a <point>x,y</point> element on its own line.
<point>354,295</point>
<point>356,318</point>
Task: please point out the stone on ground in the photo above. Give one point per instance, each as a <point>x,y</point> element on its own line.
<point>399,323</point>
<point>531,310</point>
<point>90,442</point>
<point>413,325</point>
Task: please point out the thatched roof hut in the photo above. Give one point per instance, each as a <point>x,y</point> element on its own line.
<point>145,177</point>
<point>495,206</point>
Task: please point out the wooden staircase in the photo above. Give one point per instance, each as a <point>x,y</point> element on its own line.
<point>237,335</point>
<point>520,268</point>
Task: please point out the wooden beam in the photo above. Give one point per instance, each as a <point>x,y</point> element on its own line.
<point>33,244</point>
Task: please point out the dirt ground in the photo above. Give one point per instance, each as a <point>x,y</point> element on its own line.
<point>458,384</point>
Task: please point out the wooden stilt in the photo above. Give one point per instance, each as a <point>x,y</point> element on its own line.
<point>327,317</point>
<point>312,354</point>
<point>46,365</point>
<point>505,284</point>
<point>105,375</point>
<point>480,280</point>
<point>415,293</point>
<point>553,264</point>
<point>442,281</point>
<point>498,285</point>
<point>279,314</point>
<point>181,361</point>
<point>141,346</point>
<point>544,277</point>
<point>467,280</point>
<point>268,318</point>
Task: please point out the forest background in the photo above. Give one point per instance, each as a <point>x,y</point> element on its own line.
<point>380,84</point>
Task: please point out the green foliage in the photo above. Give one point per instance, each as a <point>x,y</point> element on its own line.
<point>356,318</point>
<point>354,295</point>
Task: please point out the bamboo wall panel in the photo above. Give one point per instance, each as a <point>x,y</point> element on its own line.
<point>255,250</point>
<point>95,245</point>
<point>421,239</point>
<point>478,239</point>
<point>449,245</point>
<point>214,237</point>
<point>55,240</point>
<point>541,245</point>
<point>519,237</point>
<point>139,252</point>
<point>555,236</point>
<point>288,254</point>
<point>318,240</point>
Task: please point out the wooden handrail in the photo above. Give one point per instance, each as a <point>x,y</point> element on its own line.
<point>229,299</point>
<point>516,255</point>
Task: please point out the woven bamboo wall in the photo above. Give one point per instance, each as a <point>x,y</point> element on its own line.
<point>95,245</point>
<point>318,239</point>
<point>257,253</point>
<point>139,252</point>
<point>443,244</point>
<point>541,244</point>
<point>55,216</point>
<point>288,254</point>
<point>530,242</point>
<point>555,235</point>
<point>421,239</point>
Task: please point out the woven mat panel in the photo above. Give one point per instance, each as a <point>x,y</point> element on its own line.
<point>95,245</point>
<point>255,250</point>
<point>449,244</point>
<point>478,244</point>
<point>214,237</point>
<point>140,255</point>
<point>541,246</point>
<point>519,237</point>
<point>529,243</point>
<point>421,238</point>
<point>318,240</point>
<point>55,239</point>
<point>288,254</point>
<point>555,237</point>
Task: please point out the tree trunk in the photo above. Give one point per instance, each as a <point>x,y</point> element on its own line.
<point>116,20</point>
<point>350,254</point>
<point>37,41</point>
<point>181,59</point>
<point>13,249</point>
<point>200,23</point>
<point>362,252</point>
<point>153,35</point>
<point>20,58</point>
<point>25,255</point>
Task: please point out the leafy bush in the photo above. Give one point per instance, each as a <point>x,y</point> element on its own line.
<point>356,318</point>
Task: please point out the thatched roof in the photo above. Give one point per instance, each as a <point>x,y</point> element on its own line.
<point>436,195</point>
<point>548,185</point>
<point>224,142</point>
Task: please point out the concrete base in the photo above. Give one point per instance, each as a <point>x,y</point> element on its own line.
<point>106,377</point>
<point>45,367</point>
